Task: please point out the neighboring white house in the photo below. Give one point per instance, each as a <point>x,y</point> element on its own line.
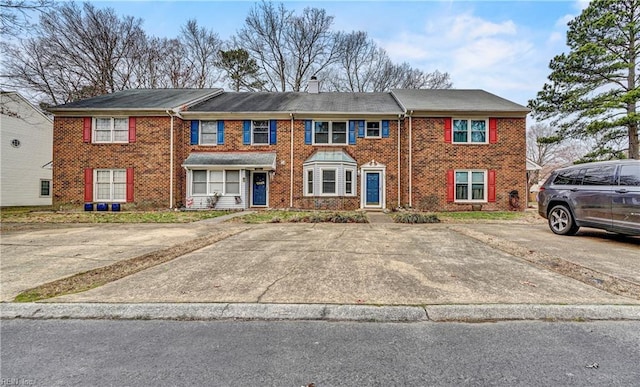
<point>26,151</point>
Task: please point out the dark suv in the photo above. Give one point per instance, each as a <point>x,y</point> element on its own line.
<point>604,195</point>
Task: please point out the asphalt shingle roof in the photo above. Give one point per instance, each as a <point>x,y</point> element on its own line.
<point>231,159</point>
<point>455,100</point>
<point>236,102</point>
<point>140,99</point>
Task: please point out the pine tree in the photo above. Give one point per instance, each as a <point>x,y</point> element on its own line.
<point>592,92</point>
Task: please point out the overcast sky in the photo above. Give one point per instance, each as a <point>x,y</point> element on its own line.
<point>503,47</point>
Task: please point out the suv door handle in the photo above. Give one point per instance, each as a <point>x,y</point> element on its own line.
<point>622,190</point>
<point>573,189</point>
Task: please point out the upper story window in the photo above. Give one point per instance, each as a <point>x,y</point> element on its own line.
<point>373,129</point>
<point>110,129</point>
<point>330,132</point>
<point>470,131</point>
<point>260,132</point>
<point>208,132</point>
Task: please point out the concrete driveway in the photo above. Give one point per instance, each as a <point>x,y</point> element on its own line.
<point>389,264</point>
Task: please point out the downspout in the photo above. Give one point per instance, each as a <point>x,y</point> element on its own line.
<point>291,165</point>
<point>399,139</point>
<point>410,158</point>
<point>171,162</point>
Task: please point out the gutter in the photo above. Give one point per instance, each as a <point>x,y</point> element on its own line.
<point>291,165</point>
<point>170,161</point>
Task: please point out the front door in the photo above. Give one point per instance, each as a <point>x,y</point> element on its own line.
<point>259,191</point>
<point>372,189</point>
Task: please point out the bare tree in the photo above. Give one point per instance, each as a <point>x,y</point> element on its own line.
<point>77,53</point>
<point>201,48</point>
<point>548,151</point>
<point>288,48</point>
<point>15,15</point>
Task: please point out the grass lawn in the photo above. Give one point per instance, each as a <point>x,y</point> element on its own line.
<point>47,215</point>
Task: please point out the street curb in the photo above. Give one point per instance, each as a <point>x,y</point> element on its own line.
<point>323,312</point>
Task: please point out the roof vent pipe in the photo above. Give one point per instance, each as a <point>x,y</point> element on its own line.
<point>313,87</point>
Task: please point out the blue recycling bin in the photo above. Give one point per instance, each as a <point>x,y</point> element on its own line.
<point>115,207</point>
<point>102,207</point>
<point>88,206</point>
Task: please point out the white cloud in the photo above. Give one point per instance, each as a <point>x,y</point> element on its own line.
<point>477,53</point>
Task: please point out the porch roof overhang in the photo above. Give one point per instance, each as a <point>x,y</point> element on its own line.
<point>236,160</point>
<point>330,156</point>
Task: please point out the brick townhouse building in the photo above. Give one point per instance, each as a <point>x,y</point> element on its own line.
<point>206,148</point>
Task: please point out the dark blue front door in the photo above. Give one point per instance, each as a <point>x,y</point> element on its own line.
<point>259,189</point>
<point>373,189</point>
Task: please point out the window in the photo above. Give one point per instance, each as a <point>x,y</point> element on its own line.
<point>599,176</point>
<point>373,129</point>
<point>570,177</point>
<point>335,179</point>
<point>211,182</point>
<point>470,186</point>
<point>630,175</point>
<point>309,182</point>
<point>110,129</point>
<point>328,181</point>
<point>110,185</point>
<point>330,132</point>
<point>260,132</point>
<point>208,132</point>
<point>348,182</point>
<point>469,131</point>
<point>45,188</point>
<point>232,183</point>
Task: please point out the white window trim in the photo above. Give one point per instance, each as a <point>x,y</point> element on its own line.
<point>306,181</point>
<point>40,188</point>
<point>268,134</point>
<point>340,171</point>
<point>200,137</point>
<point>382,170</point>
<point>336,192</point>
<point>330,134</point>
<point>470,186</point>
<point>366,135</point>
<point>111,186</point>
<point>94,129</point>
<point>208,182</point>
<point>469,119</point>
<point>353,181</point>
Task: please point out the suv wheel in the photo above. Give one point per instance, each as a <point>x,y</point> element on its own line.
<point>561,221</point>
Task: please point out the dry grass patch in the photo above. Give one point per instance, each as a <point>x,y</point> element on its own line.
<point>97,277</point>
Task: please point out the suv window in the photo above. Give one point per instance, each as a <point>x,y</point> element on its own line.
<point>630,175</point>
<point>570,177</point>
<point>599,176</point>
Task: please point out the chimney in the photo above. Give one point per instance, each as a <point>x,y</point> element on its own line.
<point>313,87</point>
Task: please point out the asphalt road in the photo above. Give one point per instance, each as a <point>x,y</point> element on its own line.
<point>258,353</point>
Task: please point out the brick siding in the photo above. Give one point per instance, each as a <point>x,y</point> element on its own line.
<point>431,158</point>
